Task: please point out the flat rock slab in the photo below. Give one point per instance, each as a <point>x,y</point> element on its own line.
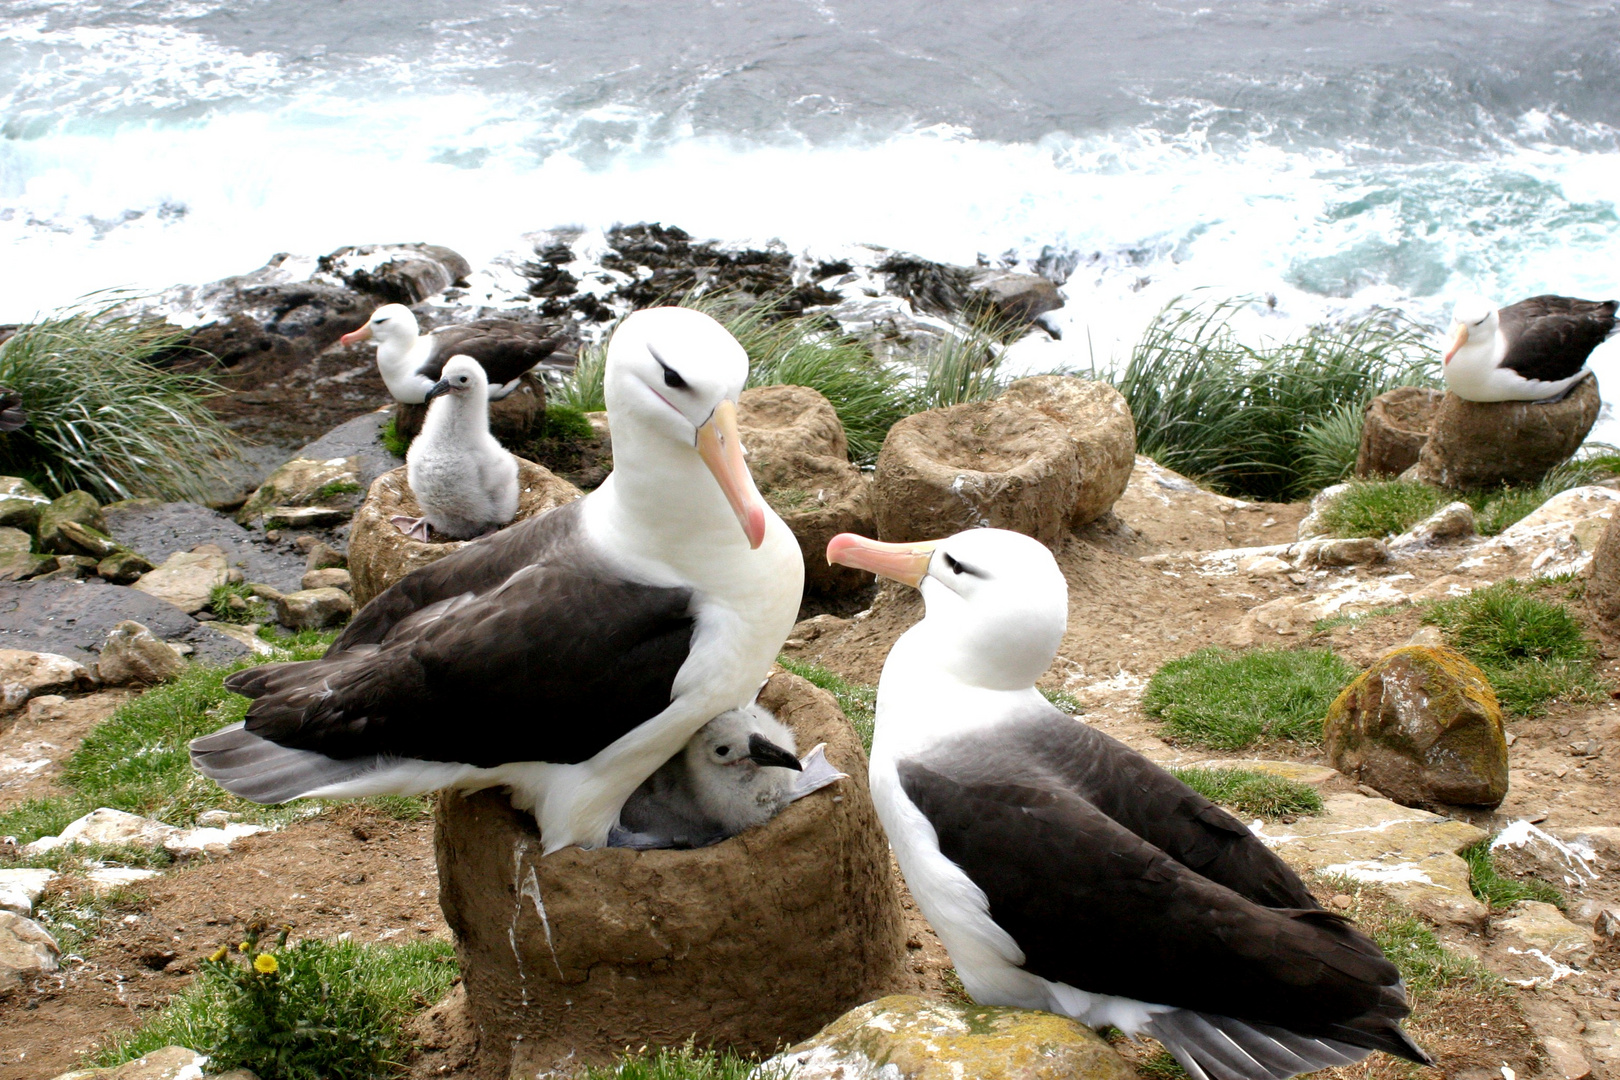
<point>1410,852</point>
<point>73,619</point>
<point>358,438</point>
<point>21,888</point>
<point>158,530</point>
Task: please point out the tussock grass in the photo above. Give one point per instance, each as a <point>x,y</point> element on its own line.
<point>584,389</point>
<point>858,701</point>
<point>1252,794</point>
<point>1488,884</point>
<point>102,416</point>
<point>962,367</point>
<point>219,602</point>
<point>331,1011</point>
<point>1236,416</point>
<point>1532,650</point>
<point>1232,700</point>
<point>684,1063</point>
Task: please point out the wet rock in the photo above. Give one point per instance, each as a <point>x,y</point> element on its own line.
<point>397,273</point>
<point>133,657</point>
<point>69,568</point>
<point>24,674</point>
<point>1394,429</point>
<point>186,579</point>
<point>79,507</point>
<point>313,609</point>
<point>331,578</point>
<point>20,503</point>
<point>1453,521</point>
<point>379,554</point>
<point>1423,726</point>
<point>158,530</point>
<point>1474,444</point>
<point>985,464</point>
<point>21,888</point>
<point>74,619</point>
<point>123,567</point>
<point>1537,945</point>
<point>703,937</point>
<point>26,950</point>
<point>1100,429</point>
<point>83,540</point>
<point>514,420</point>
<point>359,439</point>
<point>911,1038</point>
<point>169,1063</point>
<point>1017,298</point>
<point>331,484</point>
<point>305,517</point>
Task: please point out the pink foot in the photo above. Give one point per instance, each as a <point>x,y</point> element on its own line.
<point>415,528</point>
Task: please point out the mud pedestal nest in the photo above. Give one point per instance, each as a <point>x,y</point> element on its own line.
<point>379,554</point>
<point>1395,427</point>
<point>753,944</point>
<point>1480,444</point>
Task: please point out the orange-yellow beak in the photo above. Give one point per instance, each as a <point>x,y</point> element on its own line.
<point>722,451</point>
<point>905,563</point>
<point>362,334</point>
<point>1459,338</point>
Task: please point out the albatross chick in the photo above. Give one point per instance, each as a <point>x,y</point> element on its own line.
<point>465,481</point>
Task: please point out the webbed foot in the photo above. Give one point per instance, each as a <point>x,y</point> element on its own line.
<point>415,528</point>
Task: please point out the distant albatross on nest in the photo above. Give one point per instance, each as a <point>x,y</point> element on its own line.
<point>566,657</point>
<point>1066,872</point>
<point>1534,350</point>
<point>412,362</point>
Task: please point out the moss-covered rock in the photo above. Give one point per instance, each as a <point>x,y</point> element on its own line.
<point>20,503</point>
<point>1423,726</point>
<point>79,507</point>
<point>909,1038</point>
<point>123,567</point>
<point>332,484</point>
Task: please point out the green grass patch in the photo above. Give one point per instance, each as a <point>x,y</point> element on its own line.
<point>566,422</point>
<point>1333,622</point>
<point>1227,700</point>
<point>585,389</point>
<point>1252,794</point>
<point>1065,701</point>
<point>1381,507</point>
<point>103,416</point>
<point>1161,1066</point>
<point>336,488</point>
<point>392,441</point>
<point>684,1063</point>
<point>1532,650</point>
<point>962,366</point>
<point>1270,421</point>
<point>220,603</point>
<point>1488,884</point>
<point>322,1011</point>
<point>858,701</point>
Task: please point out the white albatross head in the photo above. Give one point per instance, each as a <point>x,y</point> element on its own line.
<point>997,604</point>
<point>676,373</point>
<point>389,323</point>
<point>1473,322</point>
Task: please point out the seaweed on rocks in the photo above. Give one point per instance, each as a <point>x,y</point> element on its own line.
<point>930,286</point>
<point>679,267</point>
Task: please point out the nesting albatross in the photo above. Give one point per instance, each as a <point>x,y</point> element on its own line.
<point>569,656</point>
<point>1534,350</point>
<point>412,362</point>
<point>1066,872</point>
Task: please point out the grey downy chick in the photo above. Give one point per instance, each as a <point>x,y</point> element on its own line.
<point>738,771</point>
<point>465,481</point>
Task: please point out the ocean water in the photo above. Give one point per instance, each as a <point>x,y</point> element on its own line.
<point>1330,156</point>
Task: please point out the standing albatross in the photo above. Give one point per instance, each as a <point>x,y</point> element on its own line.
<point>1066,872</point>
<point>568,656</point>
<point>1534,350</point>
<point>412,362</point>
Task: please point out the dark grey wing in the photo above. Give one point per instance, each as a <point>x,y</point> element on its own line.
<point>1093,905</point>
<point>504,349</point>
<point>1142,798</point>
<point>1550,337</point>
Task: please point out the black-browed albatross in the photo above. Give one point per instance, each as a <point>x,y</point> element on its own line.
<point>566,657</point>
<point>1534,350</point>
<point>410,362</point>
<point>1066,872</point>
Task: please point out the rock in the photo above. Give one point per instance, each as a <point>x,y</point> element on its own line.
<point>26,950</point>
<point>313,609</point>
<point>1394,428</point>
<point>323,556</point>
<point>988,463</point>
<point>210,839</point>
<point>251,642</point>
<point>123,567</point>
<point>1311,526</point>
<point>20,565</point>
<point>1541,945</point>
<point>778,420</point>
<point>158,530</point>
<point>109,827</point>
<point>20,503</point>
<point>1475,444</point>
<point>1603,586</point>
<point>1411,853</point>
<point>360,439</point>
<point>1423,726</point>
<point>514,420</point>
<point>186,579</point>
<point>331,484</point>
<point>760,939</point>
<point>911,1038</point>
<point>379,554</point>
<point>79,507</point>
<point>69,568</point>
<point>83,540</point>
<point>132,656</point>
<point>14,540</point>
<point>1521,850</point>
<point>331,578</point>
<point>305,517</point>
<point>24,674</point>
<point>20,889</point>
<point>1100,428</point>
<point>1264,565</point>
<point>169,1063</point>
<point>397,273</point>
<point>108,878</point>
<point>74,620</point>
<point>1014,297</point>
<point>1453,521</point>
<point>1564,1058</point>
<point>44,708</point>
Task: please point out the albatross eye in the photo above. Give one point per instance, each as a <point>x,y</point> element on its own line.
<point>957,566</point>
<point>722,751</point>
<point>672,377</point>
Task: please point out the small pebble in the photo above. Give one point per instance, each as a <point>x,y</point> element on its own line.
<point>1341,901</point>
<point>272,535</point>
<point>304,541</point>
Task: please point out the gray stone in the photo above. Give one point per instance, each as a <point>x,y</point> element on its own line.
<point>21,888</point>
<point>79,507</point>
<point>313,609</point>
<point>323,556</point>
<point>14,540</point>
<point>158,530</point>
<point>360,439</point>
<point>26,950</point>
<point>186,579</point>
<point>333,577</point>
<point>20,565</point>
<point>1018,297</point>
<point>397,273</point>
<point>73,619</point>
<point>132,656</point>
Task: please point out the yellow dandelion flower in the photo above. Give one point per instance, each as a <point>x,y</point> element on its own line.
<point>245,946</point>
<point>220,953</point>
<point>265,964</point>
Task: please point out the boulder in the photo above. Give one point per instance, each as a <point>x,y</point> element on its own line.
<point>20,565</point>
<point>79,507</point>
<point>1100,428</point>
<point>26,950</point>
<point>313,609</point>
<point>323,556</point>
<point>14,540</point>
<point>187,578</point>
<point>83,540</point>
<point>514,420</point>
<point>361,439</point>
<point>133,657</point>
<point>123,567</point>
<point>169,1063</point>
<point>987,463</point>
<point>1422,726</point>
<point>20,503</point>
<point>21,888</point>
<point>902,1037</point>
<point>397,273</point>
<point>1522,850</point>
<point>24,674</point>
<point>1394,428</point>
<point>1453,521</point>
<point>760,939</point>
<point>1018,298</point>
<point>1603,587</point>
<point>331,484</point>
<point>379,554</point>
<point>1477,444</point>
<point>334,577</point>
